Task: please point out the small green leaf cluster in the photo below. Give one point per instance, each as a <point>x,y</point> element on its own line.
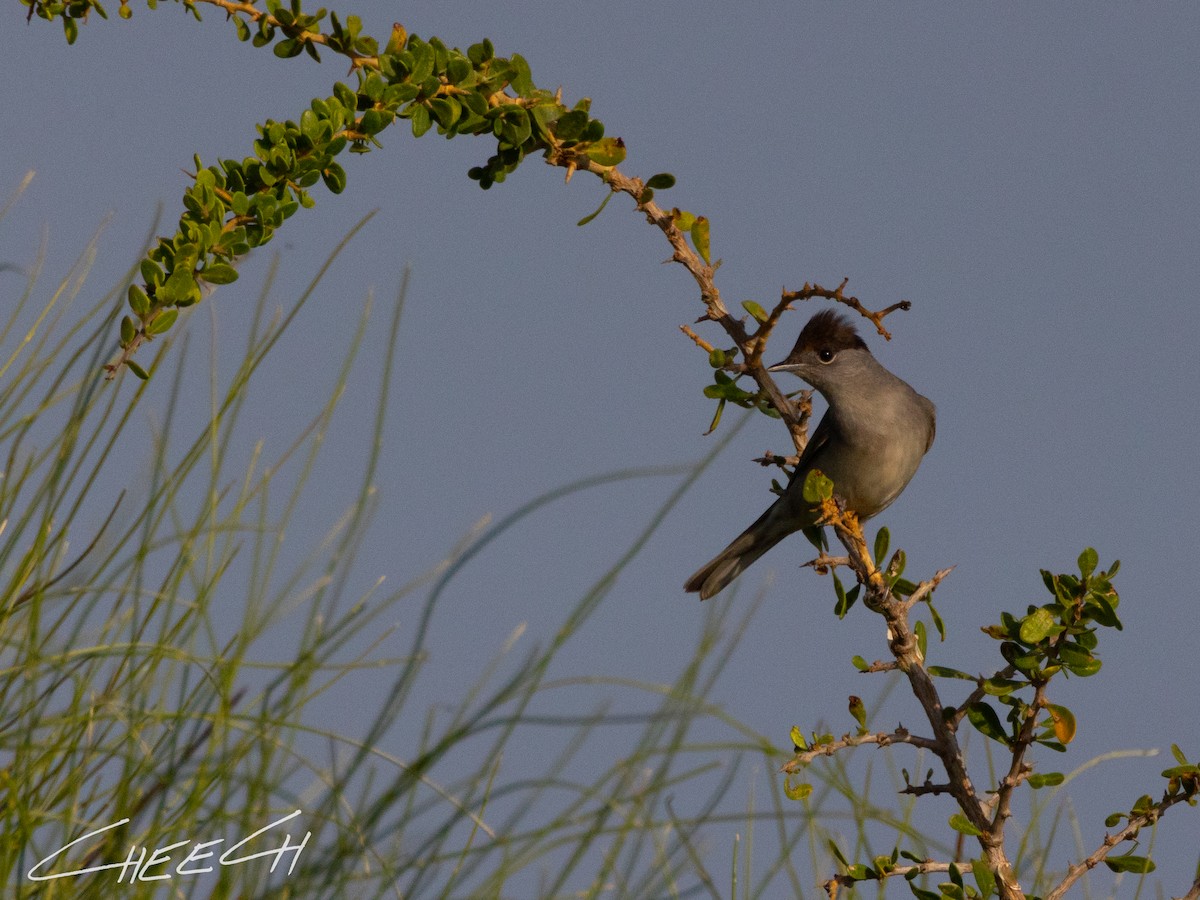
<point>72,12</point>
<point>799,790</point>
<point>817,488</point>
<point>1183,784</point>
<point>696,227</point>
<point>234,206</point>
<point>296,25</point>
<point>1057,637</point>
<point>877,871</point>
<point>1183,779</point>
<point>725,388</point>
<point>957,888</point>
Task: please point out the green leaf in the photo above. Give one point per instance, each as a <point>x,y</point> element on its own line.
<point>163,321</point>
<point>1027,663</point>
<point>937,621</point>
<point>797,737</point>
<point>1088,560</point>
<point>346,97</point>
<point>984,877</point>
<point>815,535</point>
<point>884,864</point>
<point>374,121</point>
<point>1038,626</point>
<point>570,125</point>
<point>218,273</point>
<point>128,331</point>
<point>859,711</point>
<point>700,238</point>
<point>607,152</point>
<point>152,273</point>
<point>1048,580</point>
<point>1181,771</point>
<point>859,872</point>
<point>516,127</point>
<point>138,301</point>
<point>859,663</point>
<point>963,825</point>
<point>661,182</point>
<point>895,566</point>
<point>1001,687</point>
<point>599,209</point>
<point>796,791</point>
<point>180,288</point>
<point>521,78</point>
<point>1140,865</point>
<point>1179,755</point>
<point>137,370</point>
<point>716,419</point>
<point>817,487</point>
<point>755,310</point>
<point>944,672</point>
<point>458,70</point>
<point>288,48</point>
<point>1049,779</point>
<point>987,722</point>
<point>481,52</point>
<point>882,539</point>
<point>682,219</point>
<point>334,177</point>
<point>1079,662</point>
<point>446,111</point>
<point>421,120</point>
<point>1102,610</point>
<point>593,131</point>
<point>955,876</point>
<point>845,600</point>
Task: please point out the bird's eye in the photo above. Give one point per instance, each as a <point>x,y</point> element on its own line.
<point>825,355</point>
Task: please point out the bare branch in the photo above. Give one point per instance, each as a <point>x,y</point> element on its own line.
<point>883,739</point>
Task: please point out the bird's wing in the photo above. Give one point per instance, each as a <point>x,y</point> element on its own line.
<point>819,438</point>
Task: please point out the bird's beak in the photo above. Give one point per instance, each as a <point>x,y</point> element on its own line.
<point>784,366</point>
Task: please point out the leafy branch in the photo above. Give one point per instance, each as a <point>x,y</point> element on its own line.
<point>235,206</point>
<point>1056,639</point>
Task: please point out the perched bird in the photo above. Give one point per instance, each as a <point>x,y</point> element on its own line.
<point>869,443</point>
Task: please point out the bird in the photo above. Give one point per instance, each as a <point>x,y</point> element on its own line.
<point>870,442</point>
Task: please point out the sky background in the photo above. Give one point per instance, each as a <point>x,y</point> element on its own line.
<point>1025,175</point>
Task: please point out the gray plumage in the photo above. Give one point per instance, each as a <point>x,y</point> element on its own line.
<point>869,443</point>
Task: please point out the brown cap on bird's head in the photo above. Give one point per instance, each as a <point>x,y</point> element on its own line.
<point>826,332</point>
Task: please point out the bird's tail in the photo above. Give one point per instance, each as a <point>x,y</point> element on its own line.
<point>715,575</point>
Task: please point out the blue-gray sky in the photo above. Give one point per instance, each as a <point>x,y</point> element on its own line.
<point>1026,175</point>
